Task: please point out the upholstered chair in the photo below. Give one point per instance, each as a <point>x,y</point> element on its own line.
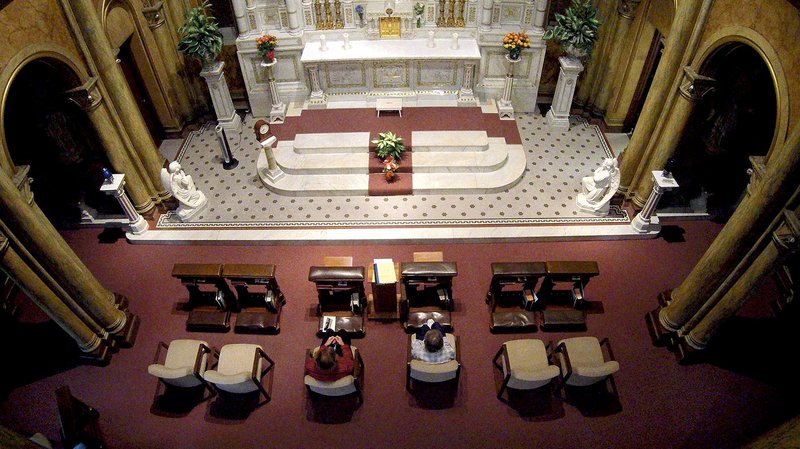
<point>240,369</point>
<point>525,365</point>
<point>582,361</point>
<point>184,364</point>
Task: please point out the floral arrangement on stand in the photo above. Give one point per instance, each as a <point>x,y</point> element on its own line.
<point>419,9</point>
<point>360,12</point>
<point>515,43</point>
<point>266,47</point>
<point>576,29</point>
<point>200,35</point>
<point>389,147</point>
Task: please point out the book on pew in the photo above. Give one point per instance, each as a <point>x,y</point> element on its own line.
<point>328,322</point>
<point>384,271</point>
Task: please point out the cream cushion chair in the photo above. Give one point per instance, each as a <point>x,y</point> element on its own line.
<point>433,372</point>
<point>184,364</point>
<point>525,365</point>
<point>582,361</point>
<point>340,387</point>
<point>240,369</point>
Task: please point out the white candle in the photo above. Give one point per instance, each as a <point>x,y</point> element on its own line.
<point>431,43</point>
<point>454,44</point>
<point>322,43</point>
<point>346,43</point>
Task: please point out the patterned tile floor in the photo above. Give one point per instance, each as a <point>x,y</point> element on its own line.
<point>545,195</point>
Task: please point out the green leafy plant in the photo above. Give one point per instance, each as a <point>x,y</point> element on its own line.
<point>576,29</point>
<point>389,144</point>
<point>200,35</point>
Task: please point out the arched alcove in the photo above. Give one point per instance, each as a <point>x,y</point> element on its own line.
<point>45,130</point>
<point>733,122</point>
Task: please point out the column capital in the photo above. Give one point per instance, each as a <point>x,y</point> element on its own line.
<point>787,236</point>
<point>154,13</point>
<point>695,86</point>
<point>87,96</point>
<point>627,8</point>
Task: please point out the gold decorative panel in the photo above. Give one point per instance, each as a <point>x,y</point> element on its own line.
<point>389,26</point>
<point>390,74</point>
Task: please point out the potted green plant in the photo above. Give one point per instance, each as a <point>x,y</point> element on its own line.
<point>576,29</point>
<point>200,35</point>
<point>389,144</point>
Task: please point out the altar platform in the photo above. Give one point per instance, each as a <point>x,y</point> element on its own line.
<point>541,206</point>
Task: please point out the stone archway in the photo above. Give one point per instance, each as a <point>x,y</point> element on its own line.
<point>46,131</point>
<point>728,126</point>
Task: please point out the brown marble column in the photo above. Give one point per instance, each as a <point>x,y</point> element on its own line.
<point>669,67</point>
<point>750,219</point>
<point>89,98</point>
<point>35,235</point>
<point>158,21</point>
<point>785,240</point>
<point>589,84</point>
<point>120,94</point>
<point>42,296</point>
<point>693,88</point>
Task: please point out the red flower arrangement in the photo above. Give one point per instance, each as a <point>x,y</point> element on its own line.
<point>266,47</point>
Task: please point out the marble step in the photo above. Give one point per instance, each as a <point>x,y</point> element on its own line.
<point>487,182</point>
<point>319,164</point>
<point>322,143</point>
<point>449,141</point>
<point>463,162</point>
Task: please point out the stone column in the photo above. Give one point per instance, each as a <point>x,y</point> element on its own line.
<point>785,241</point>
<point>240,12</point>
<point>221,96</point>
<point>645,222</point>
<point>539,18</point>
<point>626,12</point>
<point>278,112</point>
<point>49,302</point>
<point>116,188</point>
<point>293,17</point>
<point>39,238</point>
<point>142,145</point>
<point>273,172</point>
<point>157,21</point>
<point>486,15</point>
<point>89,98</point>
<point>558,115</point>
<point>748,222</point>
<point>317,99</point>
<point>680,35</point>
<point>466,96</point>
<point>590,81</point>
<point>692,89</point>
<point>504,107</point>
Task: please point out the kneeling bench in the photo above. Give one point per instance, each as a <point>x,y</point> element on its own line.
<point>511,295</point>
<point>341,295</point>
<point>210,309</point>
<point>260,298</point>
<point>427,293</point>
<point>576,272</point>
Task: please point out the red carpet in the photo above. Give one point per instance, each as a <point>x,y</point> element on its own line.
<point>662,405</point>
<point>413,119</point>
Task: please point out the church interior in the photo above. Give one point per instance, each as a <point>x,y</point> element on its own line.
<point>596,199</point>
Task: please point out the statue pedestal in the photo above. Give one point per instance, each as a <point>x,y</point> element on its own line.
<point>558,115</point>
<point>221,96</point>
<point>117,188</point>
<point>504,107</point>
<point>273,172</point>
<point>277,113</point>
<point>645,221</point>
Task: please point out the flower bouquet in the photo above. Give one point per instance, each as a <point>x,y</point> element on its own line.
<point>515,43</point>
<point>419,9</point>
<point>360,12</point>
<point>389,167</point>
<point>266,47</point>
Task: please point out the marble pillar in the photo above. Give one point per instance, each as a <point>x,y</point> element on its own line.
<point>37,236</point>
<point>240,14</point>
<point>221,96</point>
<point>692,89</point>
<point>277,113</point>
<point>645,221</point>
<point>744,227</point>
<point>486,15</point>
<point>125,105</point>
<point>784,241</point>
<point>540,16</point>
<point>293,17</point>
<point>317,99</point>
<point>558,115</point>
<point>670,65</point>
<point>116,188</point>
<point>504,106</point>
<point>41,295</point>
<point>466,95</point>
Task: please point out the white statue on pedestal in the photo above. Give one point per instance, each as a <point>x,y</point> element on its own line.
<point>597,190</point>
<point>191,201</point>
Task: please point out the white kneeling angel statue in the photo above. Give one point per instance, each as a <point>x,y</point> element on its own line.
<point>191,201</point>
<point>597,190</point>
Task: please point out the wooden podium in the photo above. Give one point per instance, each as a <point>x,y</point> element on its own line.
<point>384,300</point>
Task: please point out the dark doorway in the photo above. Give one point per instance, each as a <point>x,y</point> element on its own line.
<point>139,91</point>
<point>734,122</point>
<point>645,81</point>
<point>45,130</point>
